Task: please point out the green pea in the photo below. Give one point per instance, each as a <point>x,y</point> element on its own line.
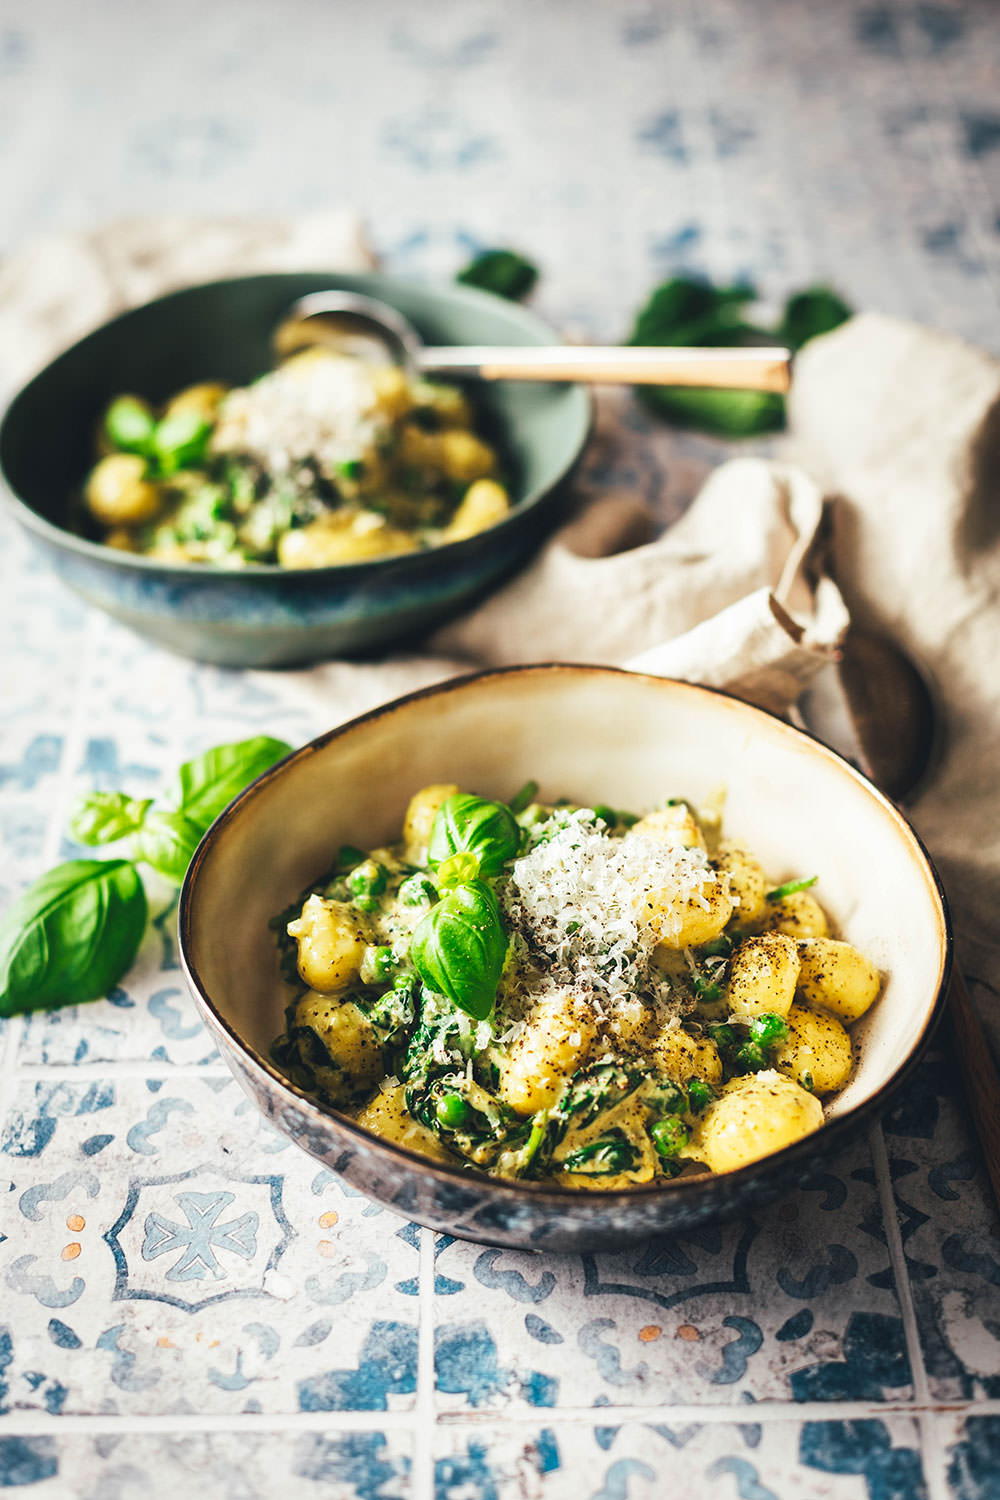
<point>669,1135</point>
<point>418,890</point>
<point>668,1097</point>
<point>719,947</point>
<point>351,468</point>
<point>451,1111</point>
<point>379,964</point>
<point>366,903</point>
<point>128,424</point>
<point>180,441</point>
<point>700,1095</point>
<point>723,1036</point>
<point>368,879</point>
<point>706,989</point>
<point>751,1057</point>
<point>769,1030</point>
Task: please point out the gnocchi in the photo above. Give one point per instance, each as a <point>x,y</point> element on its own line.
<point>324,461</point>
<point>551,991</point>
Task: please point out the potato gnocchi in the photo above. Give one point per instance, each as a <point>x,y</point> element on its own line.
<point>326,460</point>
<point>568,994</point>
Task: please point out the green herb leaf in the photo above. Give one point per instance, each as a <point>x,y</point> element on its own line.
<point>128,424</point>
<point>207,784</point>
<point>180,441</point>
<point>106,817</point>
<point>611,1154</point>
<point>790,888</point>
<point>166,841</point>
<point>524,797</point>
<point>502,272</point>
<point>71,936</point>
<point>458,948</point>
<point>810,313</point>
<point>465,824</point>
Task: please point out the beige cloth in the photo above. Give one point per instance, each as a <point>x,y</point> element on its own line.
<point>899,423</point>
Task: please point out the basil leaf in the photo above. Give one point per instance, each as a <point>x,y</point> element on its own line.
<point>207,784</point>
<point>166,841</point>
<point>106,817</point>
<point>502,272</point>
<point>466,824</point>
<point>71,936</point>
<point>810,313</point>
<point>458,948</point>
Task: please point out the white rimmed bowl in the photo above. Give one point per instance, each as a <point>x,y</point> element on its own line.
<point>594,734</point>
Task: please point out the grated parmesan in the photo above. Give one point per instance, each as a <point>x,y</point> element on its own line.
<point>579,905</point>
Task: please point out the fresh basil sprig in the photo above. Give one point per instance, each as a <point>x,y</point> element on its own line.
<point>471,825</point>
<point>458,948</point>
<point>166,838</point>
<point>72,934</point>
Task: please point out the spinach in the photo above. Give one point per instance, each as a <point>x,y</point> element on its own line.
<point>611,1154</point>
<point>502,272</point>
<point>458,948</point>
<point>591,1091</point>
<point>71,935</point>
<point>472,825</point>
<point>394,1013</point>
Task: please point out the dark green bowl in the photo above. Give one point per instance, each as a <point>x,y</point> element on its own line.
<point>265,615</point>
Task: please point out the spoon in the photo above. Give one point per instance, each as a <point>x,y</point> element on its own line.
<point>369,327</point>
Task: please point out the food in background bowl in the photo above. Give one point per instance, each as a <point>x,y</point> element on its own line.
<point>328,459</point>
<point>573,995</point>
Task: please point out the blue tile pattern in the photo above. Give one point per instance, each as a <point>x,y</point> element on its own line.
<point>185,1297</point>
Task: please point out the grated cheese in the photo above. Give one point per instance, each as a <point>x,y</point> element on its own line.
<point>579,900</point>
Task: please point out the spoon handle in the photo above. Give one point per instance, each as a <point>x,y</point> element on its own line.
<point>750,369</point>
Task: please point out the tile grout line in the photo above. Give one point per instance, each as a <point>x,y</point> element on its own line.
<point>931,1451</point>
<point>765,1413</point>
<point>422,1473</point>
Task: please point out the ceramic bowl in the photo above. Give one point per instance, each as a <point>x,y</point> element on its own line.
<point>596,735</point>
<point>265,615</point>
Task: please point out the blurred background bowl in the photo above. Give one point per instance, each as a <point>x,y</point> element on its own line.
<point>264,615</point>
<point>595,735</point>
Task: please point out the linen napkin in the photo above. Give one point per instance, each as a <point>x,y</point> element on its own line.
<point>895,435</point>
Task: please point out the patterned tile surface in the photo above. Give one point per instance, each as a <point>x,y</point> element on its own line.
<point>185,1298</point>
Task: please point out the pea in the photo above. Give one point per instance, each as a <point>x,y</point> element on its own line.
<point>379,964</point>
<point>351,468</point>
<point>751,1057</point>
<point>706,989</point>
<point>418,890</point>
<point>700,1095</point>
<point>179,442</point>
<point>769,1030</point>
<point>669,1135</point>
<point>669,1098</point>
<point>451,1111</point>
<point>366,903</point>
<point>719,947</point>
<point>128,424</point>
<point>368,879</point>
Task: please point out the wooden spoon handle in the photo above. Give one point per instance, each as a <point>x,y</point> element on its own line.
<point>735,369</point>
<point>979,1074</point>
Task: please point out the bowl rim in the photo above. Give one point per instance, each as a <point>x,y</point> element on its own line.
<point>834,1131</point>
<point>139,562</point>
